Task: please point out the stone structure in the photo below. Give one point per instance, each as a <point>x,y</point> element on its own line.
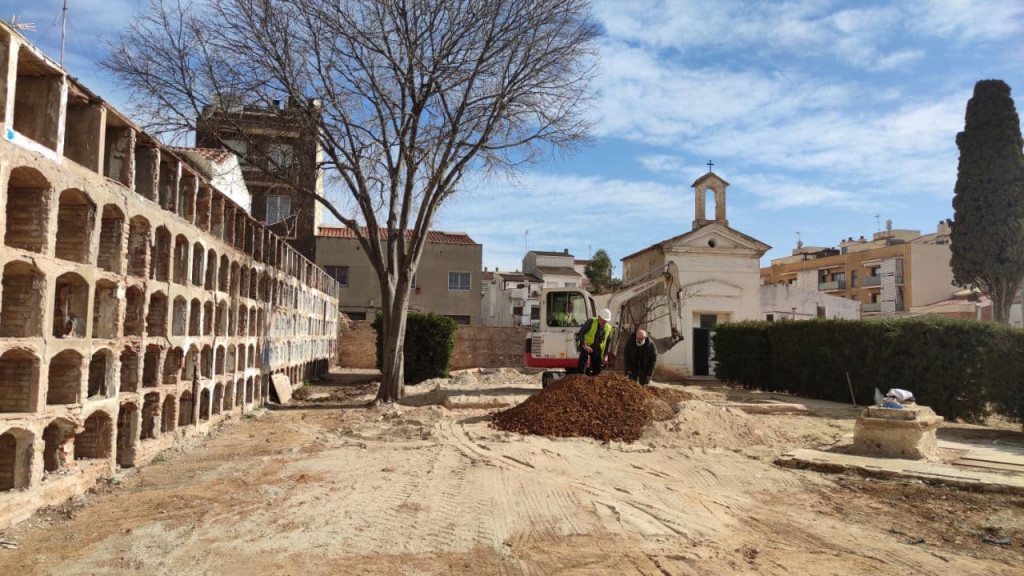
<point>907,432</point>
<point>139,305</point>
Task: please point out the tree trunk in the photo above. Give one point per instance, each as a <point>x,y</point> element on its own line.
<point>392,380</point>
<point>1002,300</point>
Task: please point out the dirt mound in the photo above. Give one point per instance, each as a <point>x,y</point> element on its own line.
<point>707,425</point>
<point>606,407</point>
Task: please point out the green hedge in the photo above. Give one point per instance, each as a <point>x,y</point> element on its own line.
<point>429,343</point>
<point>1005,370</point>
<point>957,367</point>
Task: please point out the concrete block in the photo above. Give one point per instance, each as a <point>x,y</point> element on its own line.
<point>897,433</point>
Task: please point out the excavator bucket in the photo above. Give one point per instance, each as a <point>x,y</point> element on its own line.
<point>665,344</point>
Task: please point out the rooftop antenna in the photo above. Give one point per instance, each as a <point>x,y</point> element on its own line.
<point>526,242</point>
<point>799,242</point>
<point>63,30</point>
<point>22,25</point>
<point>878,222</point>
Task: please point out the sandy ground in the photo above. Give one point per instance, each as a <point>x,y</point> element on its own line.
<point>332,487</point>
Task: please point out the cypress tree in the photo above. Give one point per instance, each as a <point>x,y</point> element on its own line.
<point>987,235</point>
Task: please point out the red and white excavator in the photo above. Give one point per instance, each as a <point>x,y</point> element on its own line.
<point>552,343</point>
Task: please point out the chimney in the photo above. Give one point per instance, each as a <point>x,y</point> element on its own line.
<point>565,251</point>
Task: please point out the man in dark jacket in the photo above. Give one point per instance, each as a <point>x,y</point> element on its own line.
<point>640,358</point>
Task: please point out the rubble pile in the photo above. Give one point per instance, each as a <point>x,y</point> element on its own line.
<point>606,407</point>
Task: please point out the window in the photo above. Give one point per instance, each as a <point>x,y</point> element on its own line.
<point>770,318</point>
<point>413,285</point>
<point>458,281</point>
<point>853,278</point>
<point>565,309</point>
<point>821,312</point>
<point>339,273</point>
<point>280,156</point>
<point>278,208</point>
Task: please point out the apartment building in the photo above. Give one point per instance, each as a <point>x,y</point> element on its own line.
<point>447,281</point>
<point>280,159</point>
<point>139,304</point>
<point>895,272</point>
<point>510,299</point>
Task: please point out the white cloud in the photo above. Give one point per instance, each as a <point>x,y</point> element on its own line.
<point>968,19</point>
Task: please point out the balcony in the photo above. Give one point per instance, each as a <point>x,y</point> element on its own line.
<point>871,281</point>
<point>519,294</point>
<point>833,285</point>
<point>876,307</point>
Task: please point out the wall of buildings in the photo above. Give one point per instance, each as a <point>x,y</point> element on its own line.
<point>930,274</point>
<point>897,272</point>
<point>138,304</point>
<point>444,253</point>
<point>785,302</point>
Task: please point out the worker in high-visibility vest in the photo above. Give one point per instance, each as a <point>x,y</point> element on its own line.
<point>593,338</point>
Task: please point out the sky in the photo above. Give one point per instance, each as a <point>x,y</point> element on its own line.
<point>827,118</point>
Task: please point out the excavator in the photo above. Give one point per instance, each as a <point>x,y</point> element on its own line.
<point>552,342</point>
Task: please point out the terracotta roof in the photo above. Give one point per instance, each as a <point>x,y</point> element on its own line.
<point>215,155</point>
<point>558,270</point>
<point>433,236</point>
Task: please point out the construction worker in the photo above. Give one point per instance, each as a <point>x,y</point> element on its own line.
<point>564,316</point>
<point>593,337</point>
<point>640,357</point>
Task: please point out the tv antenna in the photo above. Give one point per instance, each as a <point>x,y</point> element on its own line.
<point>22,25</point>
<point>878,222</point>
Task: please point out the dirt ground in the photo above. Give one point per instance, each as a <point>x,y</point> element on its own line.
<point>329,486</point>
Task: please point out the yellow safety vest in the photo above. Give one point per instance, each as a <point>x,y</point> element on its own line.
<point>589,336</point>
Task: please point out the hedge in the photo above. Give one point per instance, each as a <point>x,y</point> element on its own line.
<point>429,343</point>
<point>957,367</point>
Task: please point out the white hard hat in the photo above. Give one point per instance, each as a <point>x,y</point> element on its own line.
<point>606,315</point>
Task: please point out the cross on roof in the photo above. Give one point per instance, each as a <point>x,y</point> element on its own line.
<point>710,165</point>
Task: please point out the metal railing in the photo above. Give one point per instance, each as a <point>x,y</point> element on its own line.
<point>833,285</point>
<point>871,281</point>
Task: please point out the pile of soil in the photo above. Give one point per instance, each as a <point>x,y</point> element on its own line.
<point>606,407</point>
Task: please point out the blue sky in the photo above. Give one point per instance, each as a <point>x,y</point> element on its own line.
<point>820,115</point>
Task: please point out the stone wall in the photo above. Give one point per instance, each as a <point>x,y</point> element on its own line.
<point>475,346</point>
<point>148,288</point>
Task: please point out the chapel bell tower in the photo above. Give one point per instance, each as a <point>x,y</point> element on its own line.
<point>709,181</point>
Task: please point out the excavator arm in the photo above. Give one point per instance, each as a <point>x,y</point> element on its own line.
<point>666,276</point>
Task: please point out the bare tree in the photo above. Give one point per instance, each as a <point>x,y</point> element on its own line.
<point>407,97</point>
